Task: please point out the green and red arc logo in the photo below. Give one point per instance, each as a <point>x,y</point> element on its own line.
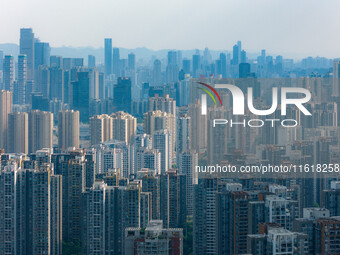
<point>210,94</point>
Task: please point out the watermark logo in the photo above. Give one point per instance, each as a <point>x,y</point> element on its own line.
<point>239,103</point>
<point>238,99</point>
<point>204,97</point>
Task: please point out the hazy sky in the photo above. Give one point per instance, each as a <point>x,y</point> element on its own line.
<point>302,27</point>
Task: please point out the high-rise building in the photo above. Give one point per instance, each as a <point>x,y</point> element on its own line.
<point>123,94</point>
<point>73,172</point>
<point>167,105</point>
<point>173,199</point>
<point>94,83</point>
<point>204,220</point>
<point>80,95</point>
<point>277,211</point>
<point>164,104</point>
<point>187,161</point>
<point>232,222</point>
<point>8,69</point>
<point>327,231</point>
<point>43,81</point>
<point>196,65</point>
<point>147,158</point>
<point>27,48</point>
<point>243,56</point>
<point>56,83</point>
<point>236,51</point>
<point>40,126</point>
<point>161,140</point>
<point>99,209</point>
<point>132,61</point>
<point>151,184</point>
<point>101,128</point>
<point>157,120</point>
<point>172,67</point>
<point>157,72</point>
<point>217,136</point>
<point>336,77</point>
<point>331,198</point>
<point>68,129</point>
<point>42,52</point>
<point>223,63</point>
<point>20,92</point>
<point>186,66</point>
<point>116,62</point>
<point>5,109</point>
<point>244,70</point>
<point>198,127</point>
<point>91,62</point>
<point>18,132</point>
<point>124,126</point>
<point>183,133</point>
<point>57,62</point>
<point>30,211</point>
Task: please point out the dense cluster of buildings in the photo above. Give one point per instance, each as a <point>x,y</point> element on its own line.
<point>103,157</point>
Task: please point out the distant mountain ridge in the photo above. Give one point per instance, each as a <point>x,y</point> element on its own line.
<point>83,52</point>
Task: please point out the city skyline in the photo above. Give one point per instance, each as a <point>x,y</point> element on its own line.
<point>279,27</point>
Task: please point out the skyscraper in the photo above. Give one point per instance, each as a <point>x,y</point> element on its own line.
<point>204,220</point>
<point>57,62</point>
<point>157,72</point>
<point>108,56</point>
<point>99,212</point>
<point>5,109</point>
<point>198,127</point>
<point>8,69</point>
<point>223,63</point>
<point>162,141</point>
<point>196,65</point>
<point>122,94</point>
<point>172,67</point>
<point>124,126</point>
<point>74,181</point>
<point>43,80</point>
<point>68,129</point>
<point>235,60</point>
<point>336,77</point>
<point>81,95</point>
<point>183,133</point>
<point>56,83</point>
<point>40,126</point>
<point>42,53</point>
<point>27,48</point>
<point>30,211</point>
<point>173,199</point>
<point>217,136</point>
<point>186,65</point>
<point>187,162</point>
<point>91,61</point>
<point>22,78</point>
<point>116,62</point>
<point>151,183</point>
<point>132,61</point>
<point>18,132</point>
<point>232,222</point>
<point>101,128</point>
<point>244,70</point>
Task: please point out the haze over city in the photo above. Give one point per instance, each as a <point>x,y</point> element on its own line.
<point>170,127</point>
<point>291,28</point>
